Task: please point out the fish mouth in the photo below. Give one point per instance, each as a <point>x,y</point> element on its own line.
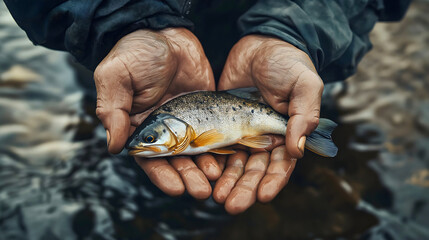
<point>135,150</point>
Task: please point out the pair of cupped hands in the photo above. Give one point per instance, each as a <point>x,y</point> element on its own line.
<point>145,68</point>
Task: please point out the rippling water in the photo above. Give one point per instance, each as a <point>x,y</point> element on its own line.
<point>58,182</point>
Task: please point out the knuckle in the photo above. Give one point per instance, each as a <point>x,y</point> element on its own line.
<point>233,174</point>
<point>102,112</point>
<point>246,186</point>
<point>318,83</point>
<point>313,122</point>
<point>187,169</point>
<point>311,79</point>
<point>255,172</point>
<point>280,175</point>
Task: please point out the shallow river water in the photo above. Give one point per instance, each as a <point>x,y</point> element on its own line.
<point>58,182</point>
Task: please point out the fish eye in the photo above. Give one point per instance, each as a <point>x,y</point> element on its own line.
<point>149,139</point>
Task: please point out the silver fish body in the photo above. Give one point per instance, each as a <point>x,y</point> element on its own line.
<point>205,122</point>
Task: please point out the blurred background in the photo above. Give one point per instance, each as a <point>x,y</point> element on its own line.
<point>58,182</point>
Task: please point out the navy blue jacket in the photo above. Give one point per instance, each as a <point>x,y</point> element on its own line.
<point>334,33</point>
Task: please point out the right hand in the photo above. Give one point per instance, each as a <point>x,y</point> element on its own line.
<point>143,70</point>
<point>289,83</point>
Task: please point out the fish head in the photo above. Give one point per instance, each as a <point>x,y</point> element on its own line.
<point>156,136</point>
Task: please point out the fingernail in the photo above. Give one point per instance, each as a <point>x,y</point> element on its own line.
<point>301,144</point>
<point>108,137</point>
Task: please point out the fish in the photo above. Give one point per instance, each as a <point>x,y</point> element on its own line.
<point>213,121</point>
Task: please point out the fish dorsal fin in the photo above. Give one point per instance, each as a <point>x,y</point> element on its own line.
<point>250,93</point>
<point>222,151</point>
<point>185,141</point>
<point>256,141</point>
<point>207,138</point>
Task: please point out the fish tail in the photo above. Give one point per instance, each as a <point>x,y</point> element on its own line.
<point>320,140</point>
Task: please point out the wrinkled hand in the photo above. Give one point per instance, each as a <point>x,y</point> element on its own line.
<point>143,70</point>
<point>289,83</point>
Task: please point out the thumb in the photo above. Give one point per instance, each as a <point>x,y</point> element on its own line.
<point>114,101</point>
<point>117,125</point>
<point>304,110</point>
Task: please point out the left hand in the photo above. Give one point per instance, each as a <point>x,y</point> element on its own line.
<point>143,70</point>
<point>289,83</point>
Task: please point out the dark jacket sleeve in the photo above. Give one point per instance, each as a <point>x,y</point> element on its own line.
<point>88,29</point>
<point>334,33</point>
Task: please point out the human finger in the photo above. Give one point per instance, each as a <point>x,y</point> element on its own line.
<point>209,165</point>
<point>244,193</point>
<point>114,101</point>
<point>277,175</point>
<point>163,175</point>
<point>195,181</point>
<point>304,112</point>
<point>221,160</point>
<point>233,171</point>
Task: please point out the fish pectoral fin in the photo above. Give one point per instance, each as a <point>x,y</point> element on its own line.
<point>181,146</point>
<point>222,151</point>
<point>207,138</point>
<point>256,141</point>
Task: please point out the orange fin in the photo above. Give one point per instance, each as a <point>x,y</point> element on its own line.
<point>256,141</point>
<point>180,147</point>
<point>222,151</point>
<point>207,138</point>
